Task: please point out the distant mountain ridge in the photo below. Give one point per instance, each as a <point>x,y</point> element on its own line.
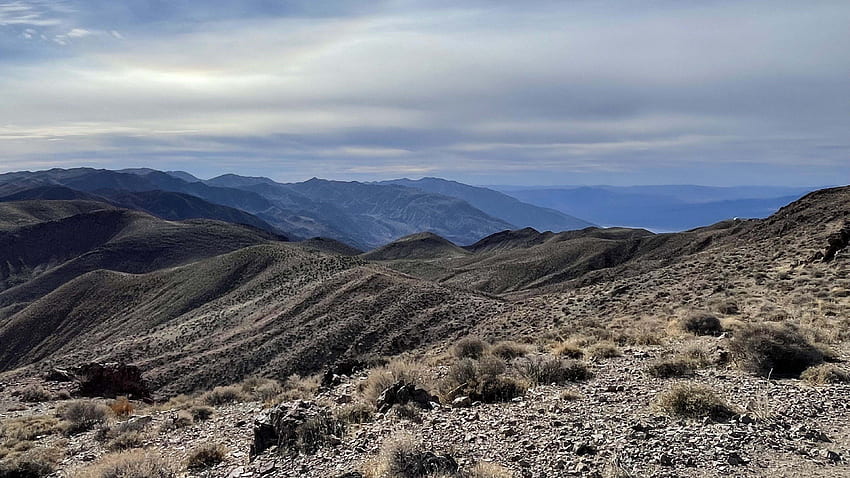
<point>499,205</point>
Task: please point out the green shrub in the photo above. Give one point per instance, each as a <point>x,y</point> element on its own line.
<point>773,349</point>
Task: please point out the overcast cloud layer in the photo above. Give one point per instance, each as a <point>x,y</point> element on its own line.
<point>534,92</point>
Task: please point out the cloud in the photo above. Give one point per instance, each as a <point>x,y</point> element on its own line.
<point>473,90</point>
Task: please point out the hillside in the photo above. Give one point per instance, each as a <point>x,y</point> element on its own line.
<point>498,205</point>
<point>424,245</point>
<point>39,257</point>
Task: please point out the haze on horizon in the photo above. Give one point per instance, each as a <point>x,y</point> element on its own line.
<point>543,93</point>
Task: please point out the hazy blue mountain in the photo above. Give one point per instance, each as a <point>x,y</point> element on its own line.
<point>661,208</point>
<point>498,204</point>
<point>361,215</point>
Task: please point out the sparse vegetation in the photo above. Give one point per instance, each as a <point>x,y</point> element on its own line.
<point>130,464</point>
<point>32,463</point>
<point>34,393</point>
<point>403,456</point>
<point>381,378</point>
<point>206,455</point>
<point>357,412</point>
<point>690,400</point>
<point>470,347</point>
<point>670,367</point>
<point>201,413</point>
<point>543,370</point>
<point>83,415</point>
<point>779,350</point>
<point>509,350</point>
<point>482,380</point>
<point>489,470</point>
<point>701,323</point>
<point>224,395</point>
<point>825,374</point>
<point>568,349</point>
<point>601,350</point>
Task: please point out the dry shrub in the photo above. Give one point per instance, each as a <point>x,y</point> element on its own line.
<point>509,350</point>
<point>357,412</point>
<point>122,407</point>
<point>127,439</point>
<point>129,464</point>
<point>825,374</point>
<point>774,349</point>
<point>83,415</point>
<point>32,463</point>
<point>482,380</point>
<point>690,400</point>
<point>206,455</point>
<point>670,367</point>
<point>403,456</point>
<point>602,350</point>
<point>34,393</point>
<point>318,431</point>
<point>544,370</point>
<point>297,387</point>
<point>489,470</point>
<point>569,395</point>
<point>698,356</point>
<point>201,413</point>
<point>568,349</point>
<point>701,323</point>
<point>383,377</point>
<point>224,395</point>
<point>470,347</point>
<point>28,428</point>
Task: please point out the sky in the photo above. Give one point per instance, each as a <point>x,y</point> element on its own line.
<point>537,92</point>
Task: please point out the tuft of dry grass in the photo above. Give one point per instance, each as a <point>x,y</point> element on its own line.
<point>774,349</point>
<point>825,374</point>
<point>701,323</point>
<point>403,456</point>
<point>224,395</point>
<point>122,407</point>
<point>509,350</point>
<point>83,415</point>
<point>381,378</point>
<point>206,455</point>
<point>691,400</point>
<point>129,464</point>
<point>544,370</point>
<point>34,393</point>
<point>357,412</point>
<point>32,463</point>
<point>568,349</point>
<point>484,469</point>
<point>670,367</point>
<point>601,350</point>
<point>470,347</point>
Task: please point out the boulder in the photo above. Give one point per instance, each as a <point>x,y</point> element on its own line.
<point>110,380</point>
<point>401,393</point>
<point>295,426</point>
<point>59,375</point>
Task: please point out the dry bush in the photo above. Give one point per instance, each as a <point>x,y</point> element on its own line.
<point>544,370</point>
<point>178,402</point>
<point>482,380</point>
<point>34,393</point>
<point>297,387</point>
<point>129,464</point>
<point>201,413</point>
<point>408,411</point>
<point>470,347</point>
<point>127,439</point>
<point>774,349</point>
<point>206,455</point>
<point>83,415</point>
<point>569,395</point>
<point>32,463</point>
<point>698,356</point>
<point>224,395</point>
<point>318,431</point>
<point>509,350</point>
<point>701,323</point>
<point>357,412</point>
<point>568,349</point>
<point>489,470</point>
<point>690,400</point>
<point>602,350</point>
<point>670,367</point>
<point>122,407</point>
<point>825,374</point>
<point>383,377</point>
<point>28,428</point>
<point>403,456</point>
<point>725,307</point>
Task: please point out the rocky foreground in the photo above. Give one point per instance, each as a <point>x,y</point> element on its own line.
<point>608,424</point>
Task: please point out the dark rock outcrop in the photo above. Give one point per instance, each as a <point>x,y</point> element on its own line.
<point>295,426</point>
<point>401,393</point>
<point>110,380</point>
